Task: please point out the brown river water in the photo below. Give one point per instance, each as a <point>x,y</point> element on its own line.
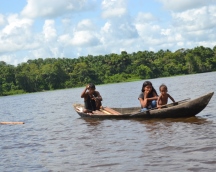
<point>55,138</point>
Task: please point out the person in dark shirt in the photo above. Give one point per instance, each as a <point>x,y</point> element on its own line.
<point>92,98</point>
<point>148,96</point>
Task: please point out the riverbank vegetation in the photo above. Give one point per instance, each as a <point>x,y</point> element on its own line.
<point>58,73</point>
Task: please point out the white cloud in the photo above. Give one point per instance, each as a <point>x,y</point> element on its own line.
<point>115,31</point>
<point>145,18</point>
<point>15,24</point>
<point>106,28</point>
<point>2,20</point>
<point>49,31</point>
<point>114,13</point>
<point>6,58</point>
<point>82,34</point>
<point>146,30</point>
<point>196,25</point>
<point>196,19</point>
<point>165,32</point>
<point>183,5</point>
<point>54,8</point>
<point>187,29</point>
<point>16,35</point>
<point>64,39</point>
<point>84,38</point>
<point>113,8</point>
<point>85,24</point>
<point>148,27</point>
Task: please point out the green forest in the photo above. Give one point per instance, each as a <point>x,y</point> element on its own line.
<point>59,73</point>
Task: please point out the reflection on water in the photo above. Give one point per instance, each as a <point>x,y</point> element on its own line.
<point>92,121</point>
<point>55,138</point>
<point>151,122</point>
<point>192,120</point>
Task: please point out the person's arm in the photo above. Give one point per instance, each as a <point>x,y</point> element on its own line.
<point>155,97</point>
<point>84,92</point>
<point>143,103</point>
<point>171,98</point>
<point>98,97</point>
<point>159,98</point>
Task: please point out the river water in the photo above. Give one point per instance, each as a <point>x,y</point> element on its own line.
<point>55,138</point>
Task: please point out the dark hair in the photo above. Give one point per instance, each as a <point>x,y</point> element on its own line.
<point>162,85</point>
<point>148,83</point>
<point>91,85</point>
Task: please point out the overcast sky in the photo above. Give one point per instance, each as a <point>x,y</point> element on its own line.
<point>31,29</point>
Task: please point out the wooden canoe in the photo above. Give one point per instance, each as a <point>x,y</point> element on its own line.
<point>174,110</point>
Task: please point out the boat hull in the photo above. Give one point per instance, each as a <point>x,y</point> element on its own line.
<point>184,109</point>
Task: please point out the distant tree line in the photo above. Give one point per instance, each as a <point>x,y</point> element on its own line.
<point>51,73</point>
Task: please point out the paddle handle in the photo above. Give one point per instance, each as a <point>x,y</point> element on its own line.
<point>174,103</point>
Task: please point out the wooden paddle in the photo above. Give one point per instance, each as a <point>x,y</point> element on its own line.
<point>80,109</point>
<point>171,104</point>
<point>11,122</point>
<point>111,111</point>
<point>167,105</point>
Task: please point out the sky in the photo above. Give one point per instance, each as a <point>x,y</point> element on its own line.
<point>32,29</point>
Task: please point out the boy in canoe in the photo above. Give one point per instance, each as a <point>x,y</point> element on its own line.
<point>163,98</point>
<point>92,98</point>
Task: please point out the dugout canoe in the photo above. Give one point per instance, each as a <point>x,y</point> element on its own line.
<point>185,108</point>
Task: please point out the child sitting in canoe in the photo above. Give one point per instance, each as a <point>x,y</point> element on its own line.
<point>163,98</point>
<point>92,98</point>
<point>148,96</point>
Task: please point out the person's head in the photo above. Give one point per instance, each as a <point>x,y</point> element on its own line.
<point>91,88</point>
<point>147,85</point>
<point>163,89</point>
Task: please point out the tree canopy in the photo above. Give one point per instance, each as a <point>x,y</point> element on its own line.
<point>58,73</point>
